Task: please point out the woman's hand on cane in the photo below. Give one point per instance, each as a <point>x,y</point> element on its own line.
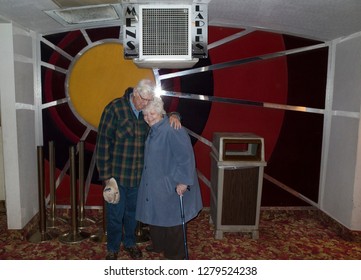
<point>181,189</point>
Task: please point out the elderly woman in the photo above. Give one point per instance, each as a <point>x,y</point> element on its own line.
<point>169,172</point>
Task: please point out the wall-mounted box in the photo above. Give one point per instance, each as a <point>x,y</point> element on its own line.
<point>237,162</point>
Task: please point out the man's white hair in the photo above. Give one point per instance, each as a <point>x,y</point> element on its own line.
<point>145,87</point>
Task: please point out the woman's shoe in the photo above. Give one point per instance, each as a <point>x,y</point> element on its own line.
<point>151,249</point>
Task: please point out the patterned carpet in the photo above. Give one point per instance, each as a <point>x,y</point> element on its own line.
<point>284,234</point>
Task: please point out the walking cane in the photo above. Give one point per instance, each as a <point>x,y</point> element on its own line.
<point>183,227</point>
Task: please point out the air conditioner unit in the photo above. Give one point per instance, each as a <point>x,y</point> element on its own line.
<point>165,35</point>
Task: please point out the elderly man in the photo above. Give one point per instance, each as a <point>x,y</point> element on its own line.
<point>119,156</point>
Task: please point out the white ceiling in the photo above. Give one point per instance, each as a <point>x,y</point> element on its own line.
<point>316,19</point>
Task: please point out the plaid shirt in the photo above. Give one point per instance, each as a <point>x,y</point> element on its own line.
<point>120,142</point>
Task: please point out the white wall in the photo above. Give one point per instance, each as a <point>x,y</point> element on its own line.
<point>341,195</point>
<point>18,124</point>
<point>2,174</point>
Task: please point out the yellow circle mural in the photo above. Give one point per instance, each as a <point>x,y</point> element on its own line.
<point>98,76</point>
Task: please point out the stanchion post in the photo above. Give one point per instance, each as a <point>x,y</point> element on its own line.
<point>74,235</point>
<point>73,193</point>
<point>83,222</point>
<point>41,235</point>
<point>53,221</point>
<point>101,236</point>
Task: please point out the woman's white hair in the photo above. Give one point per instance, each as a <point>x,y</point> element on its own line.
<point>155,105</point>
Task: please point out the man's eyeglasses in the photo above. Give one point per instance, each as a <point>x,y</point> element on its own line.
<point>144,99</point>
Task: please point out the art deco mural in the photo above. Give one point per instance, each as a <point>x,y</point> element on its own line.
<point>269,84</point>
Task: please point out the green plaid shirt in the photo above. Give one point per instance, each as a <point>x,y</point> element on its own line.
<point>120,142</point>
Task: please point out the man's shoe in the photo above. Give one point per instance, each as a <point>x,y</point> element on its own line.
<point>134,252</point>
<point>111,256</point>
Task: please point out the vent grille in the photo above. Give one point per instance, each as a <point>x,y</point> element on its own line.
<point>165,32</point>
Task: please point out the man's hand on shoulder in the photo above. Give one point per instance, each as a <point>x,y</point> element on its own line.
<point>174,120</point>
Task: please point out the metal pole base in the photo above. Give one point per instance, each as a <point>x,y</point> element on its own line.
<point>70,237</point>
<point>101,237</point>
<point>84,223</point>
<point>54,223</point>
<point>39,237</point>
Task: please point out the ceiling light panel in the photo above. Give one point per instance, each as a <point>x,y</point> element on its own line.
<point>78,3</point>
<point>86,15</point>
